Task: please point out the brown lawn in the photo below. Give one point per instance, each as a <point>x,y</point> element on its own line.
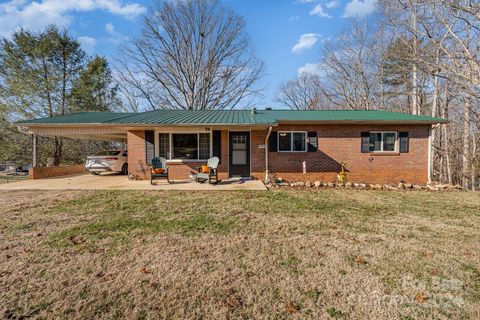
<point>240,255</point>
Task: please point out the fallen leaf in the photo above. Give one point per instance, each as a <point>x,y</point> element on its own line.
<point>360,260</point>
<point>420,297</point>
<point>291,308</point>
<point>76,239</point>
<point>145,270</point>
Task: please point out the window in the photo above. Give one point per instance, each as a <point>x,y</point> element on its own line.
<point>292,141</point>
<point>383,141</point>
<point>164,145</point>
<point>184,146</point>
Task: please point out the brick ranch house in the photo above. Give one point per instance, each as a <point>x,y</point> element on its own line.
<point>376,146</point>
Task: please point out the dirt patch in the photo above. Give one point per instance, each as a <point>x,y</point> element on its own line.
<point>235,255</point>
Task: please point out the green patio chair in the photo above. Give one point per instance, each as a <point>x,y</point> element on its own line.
<point>212,165</point>
<point>159,163</point>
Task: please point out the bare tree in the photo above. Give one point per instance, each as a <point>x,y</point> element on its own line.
<point>192,54</point>
<point>303,93</point>
<point>352,67</point>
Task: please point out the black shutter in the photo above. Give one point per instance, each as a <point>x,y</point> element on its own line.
<point>149,146</point>
<point>404,142</point>
<point>272,142</point>
<point>312,141</point>
<point>217,144</point>
<point>365,142</point>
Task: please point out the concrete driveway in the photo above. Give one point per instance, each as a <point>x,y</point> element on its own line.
<point>108,181</point>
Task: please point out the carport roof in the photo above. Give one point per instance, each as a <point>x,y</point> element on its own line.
<point>233,117</point>
<point>78,118</point>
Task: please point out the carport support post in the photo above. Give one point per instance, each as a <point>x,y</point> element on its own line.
<point>34,151</point>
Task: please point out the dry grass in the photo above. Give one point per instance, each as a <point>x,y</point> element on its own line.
<point>240,255</point>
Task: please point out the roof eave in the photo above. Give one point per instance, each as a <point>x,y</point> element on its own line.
<point>369,122</point>
<point>141,125</point>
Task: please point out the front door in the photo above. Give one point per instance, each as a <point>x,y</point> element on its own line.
<point>239,163</point>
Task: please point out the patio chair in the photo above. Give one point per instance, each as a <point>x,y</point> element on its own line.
<point>212,165</point>
<point>159,163</point>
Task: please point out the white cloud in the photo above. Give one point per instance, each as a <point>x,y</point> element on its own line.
<point>318,11</point>
<point>115,37</point>
<point>332,4</point>
<point>36,15</point>
<point>311,68</point>
<point>359,8</point>
<point>306,41</point>
<point>294,18</point>
<point>88,43</point>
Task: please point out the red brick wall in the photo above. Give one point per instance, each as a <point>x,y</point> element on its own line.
<point>137,155</point>
<point>336,143</point>
<point>341,143</point>
<point>50,172</point>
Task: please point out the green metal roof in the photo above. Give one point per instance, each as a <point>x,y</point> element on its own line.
<point>349,115</point>
<point>78,118</point>
<point>201,117</point>
<point>234,117</point>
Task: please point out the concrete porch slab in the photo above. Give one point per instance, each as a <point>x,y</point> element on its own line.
<point>117,182</point>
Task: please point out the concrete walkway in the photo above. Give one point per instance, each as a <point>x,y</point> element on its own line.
<point>113,181</point>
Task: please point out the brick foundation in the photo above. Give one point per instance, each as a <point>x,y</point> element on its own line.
<point>50,172</point>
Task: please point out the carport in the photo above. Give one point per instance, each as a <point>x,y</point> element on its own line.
<point>92,128</point>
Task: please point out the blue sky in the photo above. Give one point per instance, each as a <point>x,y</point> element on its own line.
<point>286,34</point>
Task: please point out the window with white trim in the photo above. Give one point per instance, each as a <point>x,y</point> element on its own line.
<point>292,141</point>
<point>383,141</point>
<point>184,146</point>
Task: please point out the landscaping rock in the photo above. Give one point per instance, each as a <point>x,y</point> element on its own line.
<point>391,188</point>
<point>401,186</point>
<point>308,184</point>
<point>432,187</point>
<point>330,184</point>
<point>283,184</point>
<point>297,184</point>
<point>348,184</point>
<point>362,185</point>
<point>417,187</point>
<point>317,184</point>
<point>377,186</point>
<point>444,186</point>
<point>407,185</point>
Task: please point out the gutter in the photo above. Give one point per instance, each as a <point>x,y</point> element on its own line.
<point>266,154</point>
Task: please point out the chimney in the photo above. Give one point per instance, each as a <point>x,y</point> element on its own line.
<point>254,110</point>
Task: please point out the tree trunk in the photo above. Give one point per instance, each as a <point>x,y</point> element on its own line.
<point>57,152</point>
<point>446,138</point>
<point>434,113</point>
<point>473,172</point>
<point>466,143</point>
<point>415,108</point>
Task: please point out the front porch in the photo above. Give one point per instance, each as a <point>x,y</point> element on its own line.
<point>110,181</point>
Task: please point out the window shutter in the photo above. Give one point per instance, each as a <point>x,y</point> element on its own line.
<point>404,142</point>
<point>149,146</point>
<point>365,142</point>
<point>272,142</point>
<point>217,144</point>
<point>312,141</point>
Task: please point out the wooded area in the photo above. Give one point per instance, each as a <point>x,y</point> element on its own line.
<point>420,57</point>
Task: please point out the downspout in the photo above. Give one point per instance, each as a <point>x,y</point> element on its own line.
<point>267,179</point>
<point>430,155</point>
